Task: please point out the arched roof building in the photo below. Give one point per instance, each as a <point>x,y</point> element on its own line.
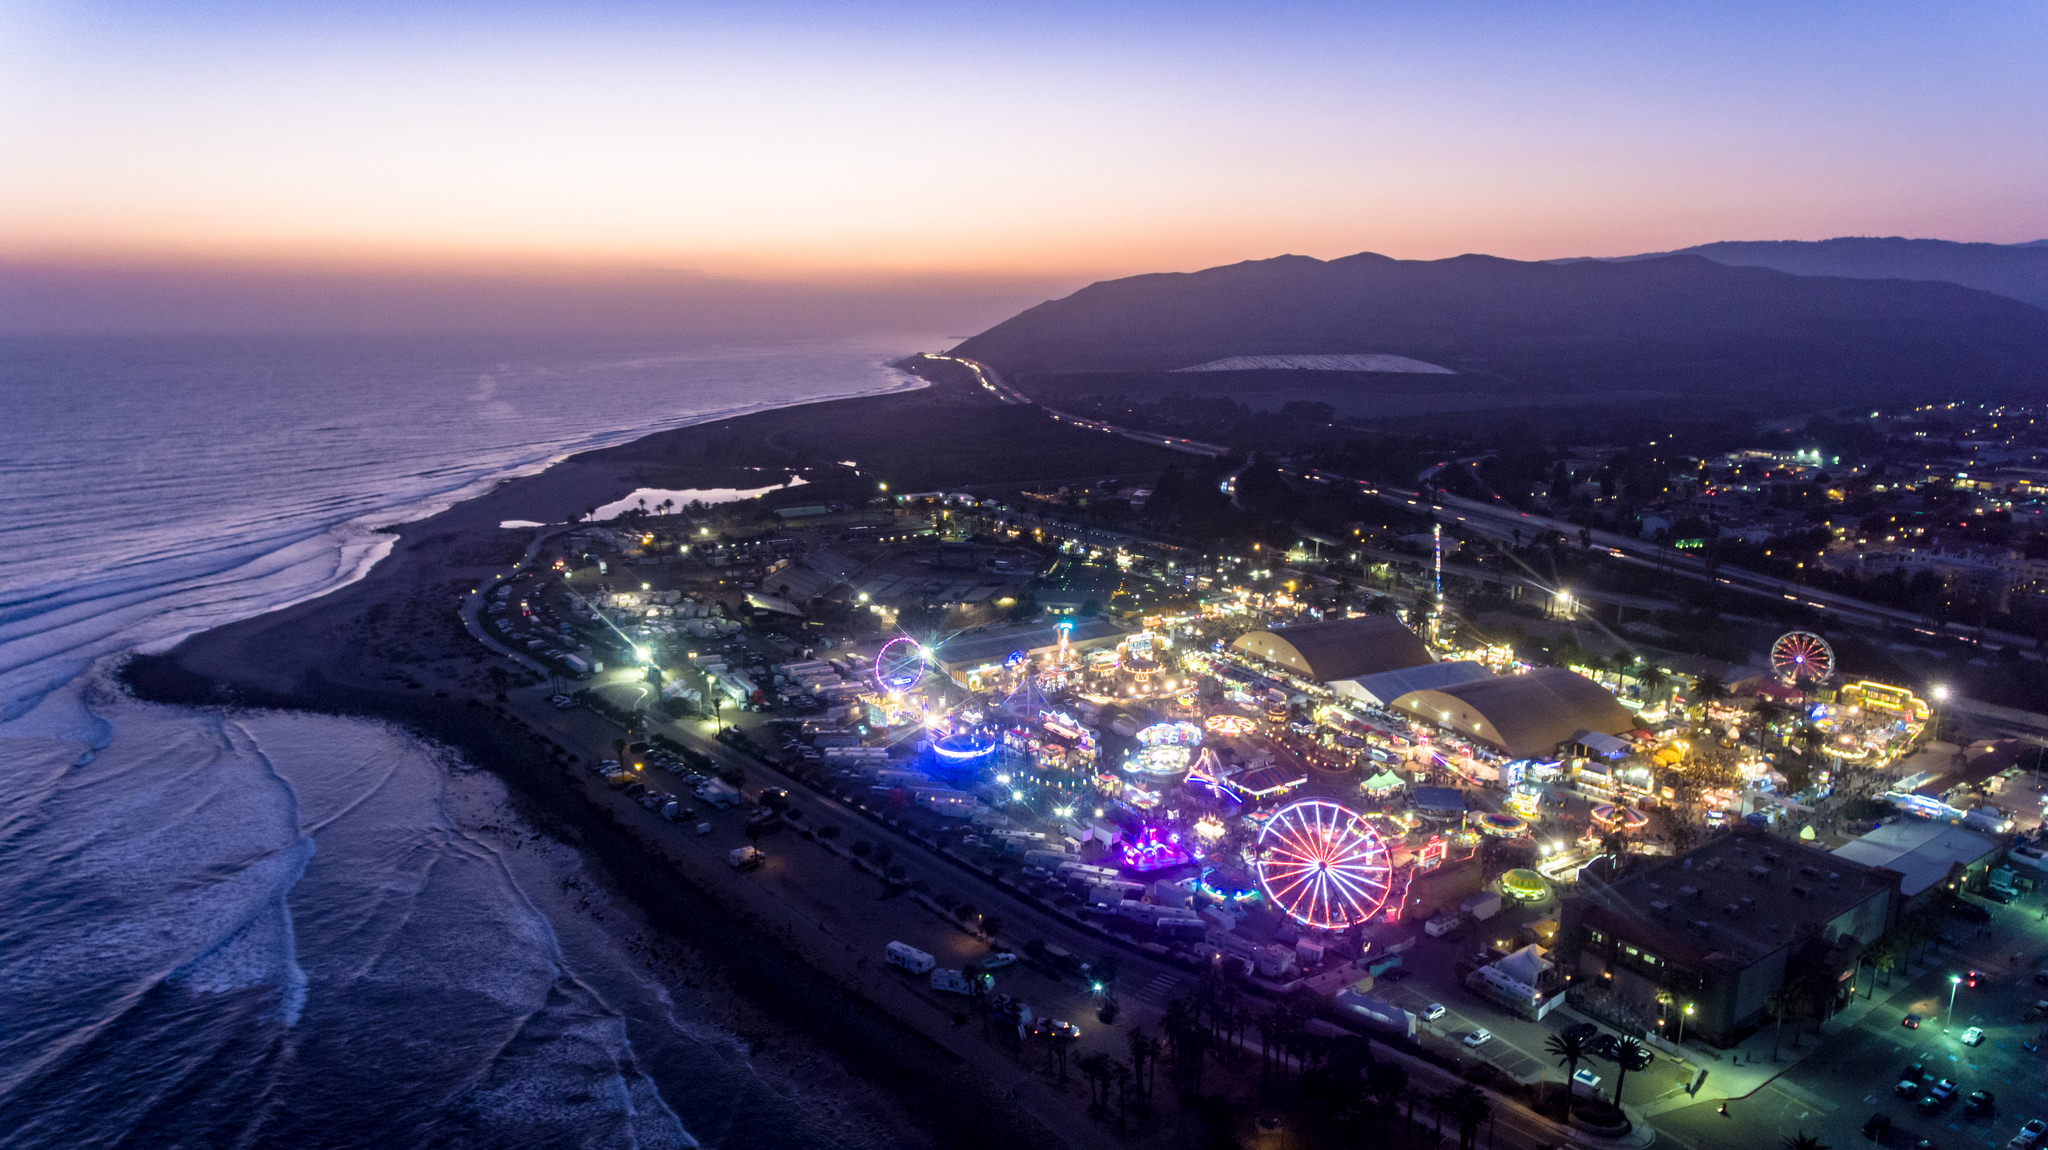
<point>1524,716</point>
<point>1339,648</point>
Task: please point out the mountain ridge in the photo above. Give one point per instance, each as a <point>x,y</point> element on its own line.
<point>2017,271</point>
<point>1680,324</point>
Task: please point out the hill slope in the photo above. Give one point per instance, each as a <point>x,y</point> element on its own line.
<point>1682,326</point>
<point>2016,270</point>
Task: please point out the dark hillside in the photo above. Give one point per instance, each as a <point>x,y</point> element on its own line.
<point>1681,328</point>
<point>2016,270</point>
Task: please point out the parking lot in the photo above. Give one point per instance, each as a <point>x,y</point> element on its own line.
<point>1852,1070</point>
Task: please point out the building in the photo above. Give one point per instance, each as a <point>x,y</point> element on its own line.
<point>1721,929</point>
<point>1927,856</point>
<point>1522,716</point>
<point>1383,688</point>
<point>1339,648</point>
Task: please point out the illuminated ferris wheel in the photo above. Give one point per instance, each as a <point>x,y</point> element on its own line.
<point>1802,659</point>
<point>900,664</point>
<point>1323,865</point>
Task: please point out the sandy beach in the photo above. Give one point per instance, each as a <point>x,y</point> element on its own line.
<point>391,646</point>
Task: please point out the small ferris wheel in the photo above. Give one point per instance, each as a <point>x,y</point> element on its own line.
<point>900,664</point>
<point>1802,659</point>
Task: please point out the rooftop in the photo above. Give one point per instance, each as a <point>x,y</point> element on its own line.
<point>1732,901</point>
<point>1339,648</point>
<point>1386,686</point>
<point>1923,853</point>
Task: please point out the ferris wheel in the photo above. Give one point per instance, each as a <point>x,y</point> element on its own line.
<point>1802,659</point>
<point>900,664</point>
<point>1323,865</point>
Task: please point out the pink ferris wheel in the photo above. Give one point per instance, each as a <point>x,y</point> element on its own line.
<point>1323,865</point>
<point>1802,659</point>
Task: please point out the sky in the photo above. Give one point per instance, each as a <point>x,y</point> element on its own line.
<point>979,153</point>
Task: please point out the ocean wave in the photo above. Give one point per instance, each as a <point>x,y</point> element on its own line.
<point>271,924</point>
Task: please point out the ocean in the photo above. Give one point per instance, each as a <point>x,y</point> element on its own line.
<point>233,928</point>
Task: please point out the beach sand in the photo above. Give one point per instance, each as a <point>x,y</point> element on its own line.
<point>391,646</point>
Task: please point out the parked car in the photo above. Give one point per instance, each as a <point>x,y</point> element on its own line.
<point>998,960</point>
<point>1910,1022</point>
<point>1478,1038</point>
<point>1586,1078</point>
<point>1970,912</point>
<point>1980,1102</point>
<point>2031,1132</point>
<point>1432,1012</point>
<point>1973,1036</point>
<point>1907,1088</point>
<point>1056,1028</point>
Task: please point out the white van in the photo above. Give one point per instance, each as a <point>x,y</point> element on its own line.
<point>904,956</point>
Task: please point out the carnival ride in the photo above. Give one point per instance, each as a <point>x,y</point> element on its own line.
<point>1165,748</point>
<point>1525,885</point>
<point>1617,816</point>
<point>1502,824</point>
<point>963,747</point>
<point>900,665</point>
<point>1323,865</point>
<point>1154,848</point>
<point>1229,726</point>
<point>1802,659</point>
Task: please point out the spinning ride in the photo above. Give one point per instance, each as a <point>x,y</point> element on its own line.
<point>1323,865</point>
<point>1802,659</point>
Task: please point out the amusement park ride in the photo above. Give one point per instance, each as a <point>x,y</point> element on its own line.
<point>1802,659</point>
<point>1324,865</point>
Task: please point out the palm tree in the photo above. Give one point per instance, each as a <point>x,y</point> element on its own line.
<point>1568,1049</point>
<point>1779,1004</point>
<point>1095,1068</point>
<point>1629,1054</point>
<point>1467,1104</point>
<point>1709,688</point>
<point>1802,1141</point>
<point>1654,680</point>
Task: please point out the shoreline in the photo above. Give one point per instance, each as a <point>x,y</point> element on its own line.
<point>334,654</point>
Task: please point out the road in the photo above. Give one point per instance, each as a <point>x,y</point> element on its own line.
<point>1504,521</point>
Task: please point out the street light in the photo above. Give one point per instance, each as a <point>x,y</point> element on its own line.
<point>1954,981</point>
<point>1681,1023</point>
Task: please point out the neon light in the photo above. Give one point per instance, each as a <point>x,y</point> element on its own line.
<point>960,748</point>
<point>1153,848</point>
<point>900,664</point>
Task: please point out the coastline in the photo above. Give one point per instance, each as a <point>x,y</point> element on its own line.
<point>335,654</point>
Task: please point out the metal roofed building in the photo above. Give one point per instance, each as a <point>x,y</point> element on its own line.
<point>1338,648</point>
<point>1925,855</point>
<point>1525,716</point>
<point>1721,928</point>
<point>1386,686</point>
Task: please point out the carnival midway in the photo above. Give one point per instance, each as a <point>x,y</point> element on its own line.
<point>1286,799</point>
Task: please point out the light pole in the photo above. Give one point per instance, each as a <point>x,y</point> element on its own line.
<point>1954,981</point>
<point>1940,697</point>
<point>1681,1023</point>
